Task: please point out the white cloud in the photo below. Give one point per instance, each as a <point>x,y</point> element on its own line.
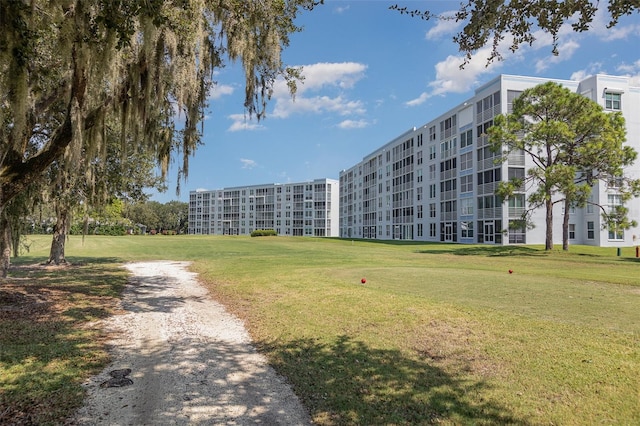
<point>579,75</point>
<point>566,50</point>
<point>444,27</point>
<point>342,74</point>
<point>354,124</point>
<point>451,79</point>
<point>591,69</point>
<point>632,71</point>
<point>630,68</point>
<point>324,78</point>
<point>323,90</point>
<point>419,100</point>
<point>220,90</point>
<point>621,31</point>
<point>248,164</point>
<point>243,122</point>
<point>341,9</point>
<point>285,107</point>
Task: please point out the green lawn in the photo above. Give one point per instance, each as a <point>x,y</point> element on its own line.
<point>438,334</point>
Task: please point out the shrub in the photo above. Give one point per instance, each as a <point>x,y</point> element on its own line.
<point>264,233</point>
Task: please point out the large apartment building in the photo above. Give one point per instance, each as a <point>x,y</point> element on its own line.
<point>305,208</point>
<point>438,182</point>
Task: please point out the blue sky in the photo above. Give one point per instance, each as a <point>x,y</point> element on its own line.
<point>370,75</point>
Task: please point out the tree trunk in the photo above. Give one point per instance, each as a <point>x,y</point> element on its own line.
<point>548,243</point>
<point>56,254</point>
<point>565,226</point>
<point>5,243</point>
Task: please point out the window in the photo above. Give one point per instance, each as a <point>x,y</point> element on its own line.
<point>516,173</point>
<point>448,165</point>
<point>511,96</point>
<point>432,152</point>
<point>572,231</point>
<point>489,176</point>
<point>448,206</point>
<point>590,231</point>
<point>448,127</point>
<point>466,229</point>
<point>466,161</point>
<point>432,172</point>
<point>466,183</point>
<point>432,190</point>
<point>466,206</point>
<point>488,103</point>
<point>448,148</point>
<point>432,229</point>
<point>615,233</point>
<point>516,205</point>
<point>432,210</point>
<point>489,202</point>
<point>615,183</point>
<point>614,200</point>
<point>613,101</point>
<point>487,153</point>
<point>448,185</point>
<point>466,138</point>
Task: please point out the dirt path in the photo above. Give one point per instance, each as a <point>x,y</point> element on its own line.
<point>191,362</point>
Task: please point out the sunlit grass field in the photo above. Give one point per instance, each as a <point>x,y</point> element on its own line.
<point>438,333</point>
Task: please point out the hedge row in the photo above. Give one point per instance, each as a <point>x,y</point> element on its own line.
<point>264,233</point>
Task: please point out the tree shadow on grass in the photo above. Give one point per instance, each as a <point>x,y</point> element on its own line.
<point>348,383</point>
<point>49,339</point>
<point>487,250</point>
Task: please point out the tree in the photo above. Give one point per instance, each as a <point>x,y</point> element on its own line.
<point>143,213</point>
<point>67,67</point>
<point>173,216</point>
<point>491,21</point>
<point>572,143</point>
<point>107,180</point>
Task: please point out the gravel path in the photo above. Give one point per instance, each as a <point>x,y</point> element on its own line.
<point>191,362</point>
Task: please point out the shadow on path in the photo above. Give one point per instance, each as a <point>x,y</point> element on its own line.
<point>191,362</point>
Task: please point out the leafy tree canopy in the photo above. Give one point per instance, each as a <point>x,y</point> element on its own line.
<point>70,70</point>
<point>68,67</point>
<point>572,144</point>
<point>491,21</point>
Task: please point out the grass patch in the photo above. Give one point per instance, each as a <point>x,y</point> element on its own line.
<point>439,333</point>
<point>50,341</point>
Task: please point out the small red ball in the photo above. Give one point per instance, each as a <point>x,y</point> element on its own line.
<point>511,271</point>
<point>364,280</point>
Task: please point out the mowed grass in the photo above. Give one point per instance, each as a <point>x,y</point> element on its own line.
<point>438,333</point>
<point>50,341</point>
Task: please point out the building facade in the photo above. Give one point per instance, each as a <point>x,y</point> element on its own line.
<point>438,182</point>
<point>296,209</point>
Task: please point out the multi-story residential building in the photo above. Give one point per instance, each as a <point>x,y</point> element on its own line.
<point>438,182</point>
<point>305,208</point>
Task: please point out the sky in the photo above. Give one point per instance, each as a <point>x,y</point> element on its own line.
<point>370,75</point>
